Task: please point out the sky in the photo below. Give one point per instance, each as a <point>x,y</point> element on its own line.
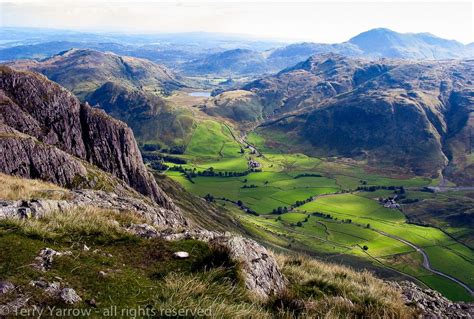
<point>319,21</point>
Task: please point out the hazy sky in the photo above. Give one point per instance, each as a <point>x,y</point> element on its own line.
<point>322,21</point>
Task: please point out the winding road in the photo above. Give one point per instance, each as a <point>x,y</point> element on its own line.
<point>426,261</point>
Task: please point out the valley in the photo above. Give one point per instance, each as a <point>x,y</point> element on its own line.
<point>326,207</point>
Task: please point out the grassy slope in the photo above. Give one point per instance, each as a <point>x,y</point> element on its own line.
<point>141,272</point>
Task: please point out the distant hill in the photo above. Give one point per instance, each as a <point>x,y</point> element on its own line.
<point>84,70</point>
<point>416,112</point>
<point>231,62</point>
<point>151,118</point>
<point>130,89</point>
<point>390,44</point>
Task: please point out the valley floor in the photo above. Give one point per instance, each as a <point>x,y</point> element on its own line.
<point>331,208</point>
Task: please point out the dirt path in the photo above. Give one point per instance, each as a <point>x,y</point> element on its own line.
<point>426,261</point>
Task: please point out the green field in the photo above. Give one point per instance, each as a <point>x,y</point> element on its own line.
<point>331,216</point>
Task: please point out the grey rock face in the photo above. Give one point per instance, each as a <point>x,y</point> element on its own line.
<point>37,107</point>
<point>432,304</point>
<point>25,156</point>
<point>153,213</point>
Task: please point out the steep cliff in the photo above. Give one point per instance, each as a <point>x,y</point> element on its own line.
<point>61,126</point>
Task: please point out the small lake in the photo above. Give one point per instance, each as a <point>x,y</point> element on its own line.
<point>200,94</point>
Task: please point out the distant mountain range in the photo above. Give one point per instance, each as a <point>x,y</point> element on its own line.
<point>211,54</point>
<point>373,44</point>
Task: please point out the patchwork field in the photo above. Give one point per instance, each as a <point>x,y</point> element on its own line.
<point>298,202</point>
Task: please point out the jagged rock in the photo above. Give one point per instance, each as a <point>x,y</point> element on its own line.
<point>181,255</point>
<point>44,260</point>
<point>432,304</point>
<point>37,107</point>
<point>143,230</point>
<point>69,296</point>
<point>153,213</point>
<point>5,287</point>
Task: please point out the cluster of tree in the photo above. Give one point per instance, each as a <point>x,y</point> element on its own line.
<point>249,186</point>
<point>150,147</point>
<point>160,157</point>
<point>210,173</point>
<point>300,223</point>
<point>245,208</point>
<point>158,165</point>
<point>155,147</point>
<point>323,215</point>
<point>307,175</point>
<point>396,189</point>
<point>299,203</point>
<point>177,149</point>
<point>280,210</point>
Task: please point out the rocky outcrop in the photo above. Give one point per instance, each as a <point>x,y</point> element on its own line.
<point>44,261</point>
<point>432,304</point>
<point>259,269</point>
<point>33,105</point>
<point>261,273</point>
<point>25,156</point>
<point>153,214</point>
<point>57,290</point>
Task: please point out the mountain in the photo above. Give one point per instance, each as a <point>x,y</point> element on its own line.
<point>386,43</point>
<point>372,44</point>
<point>151,118</point>
<point>231,62</point>
<point>131,89</point>
<point>287,56</point>
<point>48,134</point>
<point>82,71</point>
<point>365,109</point>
